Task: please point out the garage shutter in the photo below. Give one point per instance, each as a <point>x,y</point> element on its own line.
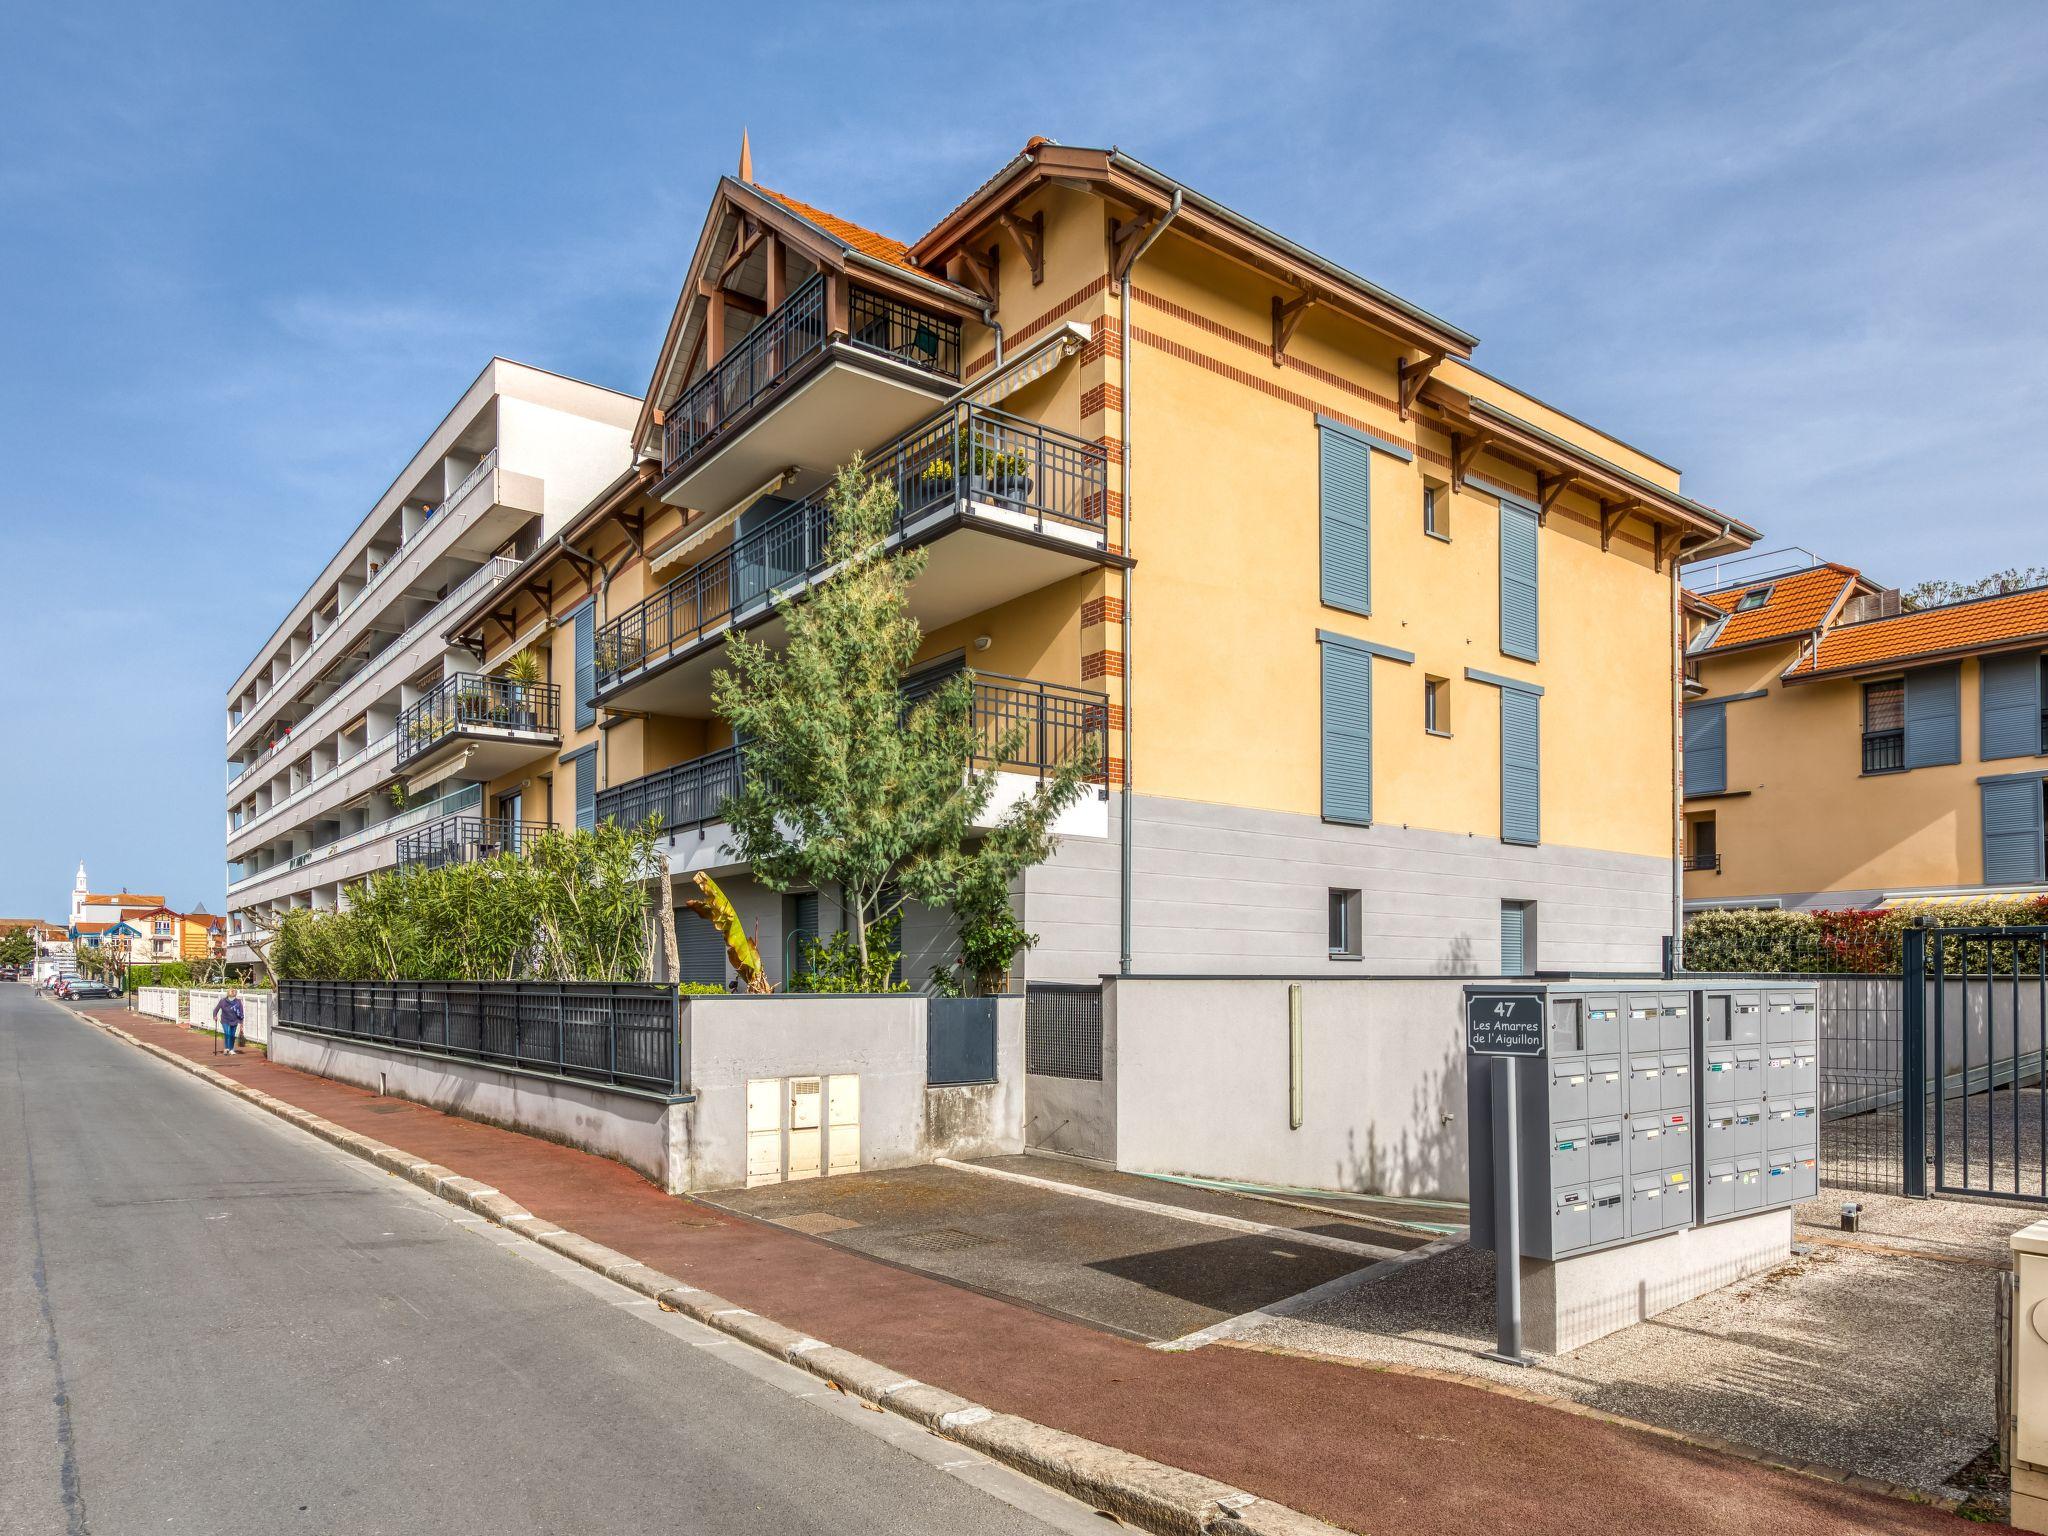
<point>1934,725</point>
<point>1518,581</point>
<point>1346,520</point>
<point>2009,690</point>
<point>1521,768</point>
<point>2013,836</point>
<point>1347,735</point>
<point>1706,749</point>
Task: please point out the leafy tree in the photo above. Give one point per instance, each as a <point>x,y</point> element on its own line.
<point>847,787</point>
<point>1931,594</point>
<point>17,948</point>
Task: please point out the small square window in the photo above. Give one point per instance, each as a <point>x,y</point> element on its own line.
<point>1749,602</point>
<point>1436,705</point>
<point>1436,510</point>
<point>1344,938</point>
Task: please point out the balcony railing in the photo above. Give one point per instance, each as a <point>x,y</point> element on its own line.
<point>965,453</point>
<point>787,338</point>
<point>1703,861</point>
<point>461,839</point>
<point>1884,751</point>
<point>472,701</point>
<point>1020,726</point>
<point>455,800</point>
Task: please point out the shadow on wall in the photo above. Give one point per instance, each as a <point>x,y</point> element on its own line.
<point>1428,1154</point>
<point>1459,959</point>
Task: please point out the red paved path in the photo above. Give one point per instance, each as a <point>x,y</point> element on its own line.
<point>1370,1450</point>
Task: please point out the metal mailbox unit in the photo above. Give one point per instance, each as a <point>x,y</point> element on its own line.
<point>1759,1109</point>
<point>1654,1107</point>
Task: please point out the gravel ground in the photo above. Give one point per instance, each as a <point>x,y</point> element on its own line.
<point>1875,1362</point>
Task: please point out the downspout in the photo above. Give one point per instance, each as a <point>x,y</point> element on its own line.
<point>988,318</point>
<point>1677,773</point>
<point>1128,828</point>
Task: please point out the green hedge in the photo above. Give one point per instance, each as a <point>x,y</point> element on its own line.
<point>170,973</point>
<point>1847,940</point>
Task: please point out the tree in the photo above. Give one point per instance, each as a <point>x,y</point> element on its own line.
<point>1932,594</point>
<point>17,948</point>
<point>846,786</point>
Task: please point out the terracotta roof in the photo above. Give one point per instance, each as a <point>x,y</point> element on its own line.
<point>122,899</point>
<point>1798,605</point>
<point>1982,623</point>
<point>848,233</point>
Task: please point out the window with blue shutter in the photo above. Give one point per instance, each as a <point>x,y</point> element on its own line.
<point>586,788</point>
<point>1346,519</point>
<point>2009,706</point>
<point>1514,938</point>
<point>1706,749</point>
<point>1518,581</point>
<point>1521,768</point>
<point>1347,735</point>
<point>2015,849</point>
<point>586,665</point>
<point>1934,716</point>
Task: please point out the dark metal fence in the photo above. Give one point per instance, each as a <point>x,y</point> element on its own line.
<point>621,1034</point>
<point>903,331</point>
<point>473,701</point>
<point>1063,1030</point>
<point>1861,1028</point>
<point>688,795</point>
<point>959,1041</point>
<point>1884,751</point>
<point>459,839</point>
<point>965,455</point>
<point>1985,1000</point>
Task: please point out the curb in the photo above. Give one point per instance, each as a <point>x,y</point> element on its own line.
<point>1132,1488</point>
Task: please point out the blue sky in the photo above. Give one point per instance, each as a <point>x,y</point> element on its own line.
<point>248,256</point>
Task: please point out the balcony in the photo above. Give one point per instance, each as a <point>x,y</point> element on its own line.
<point>491,723</point>
<point>792,391</point>
<point>1025,730</point>
<point>1699,862</point>
<point>1024,505</point>
<point>349,857</point>
<point>465,839</point>
<point>1884,751</point>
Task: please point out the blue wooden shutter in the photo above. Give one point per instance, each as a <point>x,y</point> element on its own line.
<point>1518,581</point>
<point>1514,939</point>
<point>2009,706</point>
<point>1521,768</point>
<point>586,790</point>
<point>1934,717</point>
<point>1347,521</point>
<point>586,666</point>
<point>1347,735</point>
<point>2013,837</point>
<point>1706,749</point>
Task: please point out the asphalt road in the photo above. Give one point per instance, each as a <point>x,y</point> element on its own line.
<point>212,1323</point>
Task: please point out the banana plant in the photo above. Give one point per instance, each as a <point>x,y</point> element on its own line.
<point>716,908</point>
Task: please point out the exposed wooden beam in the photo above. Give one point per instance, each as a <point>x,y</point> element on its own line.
<point>1548,489</point>
<point>1030,237</point>
<point>715,296</point>
<point>754,235</point>
<point>1611,514</point>
<point>1286,316</point>
<point>1412,376</point>
<point>1465,447</point>
<point>776,288</point>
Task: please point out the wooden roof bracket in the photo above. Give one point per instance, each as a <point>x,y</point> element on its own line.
<point>1412,376</point>
<point>984,274</point>
<point>1286,316</point>
<point>1126,238</point>
<point>1660,551</point>
<point>586,565</point>
<point>1611,514</point>
<point>1548,489</point>
<point>1030,237</point>
<point>1465,448</point>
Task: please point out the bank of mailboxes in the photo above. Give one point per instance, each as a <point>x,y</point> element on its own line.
<point>1647,1118</point>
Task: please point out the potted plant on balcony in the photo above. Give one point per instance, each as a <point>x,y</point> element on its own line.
<point>524,671</point>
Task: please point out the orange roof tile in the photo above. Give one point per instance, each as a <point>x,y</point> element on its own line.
<point>1798,605</point>
<point>1981,623</point>
<point>848,233</point>
<point>121,899</point>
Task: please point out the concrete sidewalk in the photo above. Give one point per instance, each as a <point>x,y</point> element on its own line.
<point>1368,1449</point>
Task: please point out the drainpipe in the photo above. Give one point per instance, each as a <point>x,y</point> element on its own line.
<point>1677,773</point>
<point>1128,828</point>
<point>988,318</point>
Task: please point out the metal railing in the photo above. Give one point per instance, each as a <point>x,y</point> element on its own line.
<point>455,800</point>
<point>1703,861</point>
<point>1019,725</point>
<point>460,839</point>
<point>625,1034</point>
<point>797,329</point>
<point>475,701</point>
<point>1019,470</point>
<point>1884,751</point>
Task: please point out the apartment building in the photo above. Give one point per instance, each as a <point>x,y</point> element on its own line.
<point>1844,751</point>
<point>1379,653</point>
<point>315,793</point>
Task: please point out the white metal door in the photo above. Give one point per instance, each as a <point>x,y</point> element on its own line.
<point>842,1101</point>
<point>764,1131</point>
<point>806,1122</point>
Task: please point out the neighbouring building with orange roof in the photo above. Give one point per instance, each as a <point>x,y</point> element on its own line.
<point>1843,750</point>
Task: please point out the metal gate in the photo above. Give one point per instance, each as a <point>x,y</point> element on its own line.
<point>1982,993</point>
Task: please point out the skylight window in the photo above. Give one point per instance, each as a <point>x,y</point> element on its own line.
<point>1751,601</point>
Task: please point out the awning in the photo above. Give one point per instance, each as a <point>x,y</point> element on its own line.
<point>1028,366</point>
<point>692,538</point>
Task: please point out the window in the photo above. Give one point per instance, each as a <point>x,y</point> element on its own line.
<point>1436,510</point>
<point>1347,735</point>
<point>1518,626</point>
<point>2010,706</point>
<point>1701,849</point>
<point>1706,747</point>
<point>1749,602</point>
<point>2015,845</point>
<point>1346,515</point>
<point>1884,726</point>
<point>1517,938</point>
<point>1344,910</point>
<point>1436,705</point>
<point>1934,716</point>
<point>1521,768</point>
<point>584,623</point>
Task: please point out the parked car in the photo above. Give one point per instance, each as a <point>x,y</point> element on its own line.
<point>83,989</point>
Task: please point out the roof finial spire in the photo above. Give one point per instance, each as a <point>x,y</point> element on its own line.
<point>746,159</point>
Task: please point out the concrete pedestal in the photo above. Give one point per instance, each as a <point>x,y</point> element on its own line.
<point>1569,1302</point>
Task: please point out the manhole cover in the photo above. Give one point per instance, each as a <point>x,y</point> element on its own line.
<point>943,1240</point>
<point>816,1223</point>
